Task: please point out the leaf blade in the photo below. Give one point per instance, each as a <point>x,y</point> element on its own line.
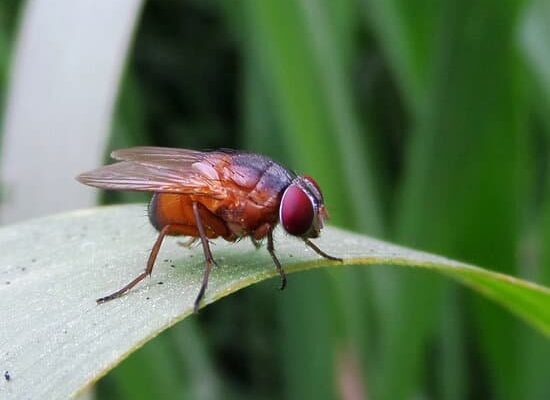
<point>56,340</point>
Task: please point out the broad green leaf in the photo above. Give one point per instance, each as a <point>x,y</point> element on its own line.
<point>55,340</point>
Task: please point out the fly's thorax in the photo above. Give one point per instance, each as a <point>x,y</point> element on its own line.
<point>267,178</point>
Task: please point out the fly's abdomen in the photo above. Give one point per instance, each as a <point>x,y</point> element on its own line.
<point>177,211</point>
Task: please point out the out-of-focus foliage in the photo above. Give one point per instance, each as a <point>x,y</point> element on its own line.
<point>8,18</point>
<point>426,122</point>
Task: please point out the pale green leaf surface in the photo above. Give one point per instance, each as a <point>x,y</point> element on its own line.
<point>55,340</point>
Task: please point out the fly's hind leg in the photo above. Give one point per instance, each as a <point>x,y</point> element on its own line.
<point>209,260</point>
<point>150,263</point>
<point>271,249</point>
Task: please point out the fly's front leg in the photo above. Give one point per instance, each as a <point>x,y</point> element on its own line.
<point>320,252</point>
<point>148,269</point>
<point>209,260</point>
<point>271,249</point>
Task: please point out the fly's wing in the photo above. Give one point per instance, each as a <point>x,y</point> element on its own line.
<point>157,169</point>
<point>152,154</point>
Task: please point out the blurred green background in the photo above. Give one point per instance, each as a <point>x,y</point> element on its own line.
<point>427,123</point>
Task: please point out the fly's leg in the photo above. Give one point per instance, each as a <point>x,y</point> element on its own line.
<point>271,249</point>
<point>320,252</point>
<point>148,269</point>
<point>209,260</point>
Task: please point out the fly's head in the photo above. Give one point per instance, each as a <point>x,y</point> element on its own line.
<point>302,210</point>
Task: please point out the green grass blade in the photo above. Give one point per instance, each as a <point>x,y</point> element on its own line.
<point>301,362</point>
<point>203,381</point>
<point>261,128</point>
<point>55,334</point>
<point>303,57</point>
<point>150,373</point>
<point>407,33</point>
<point>534,33</point>
<point>464,180</point>
<point>535,351</point>
<point>312,97</point>
<point>535,29</point>
<point>452,378</point>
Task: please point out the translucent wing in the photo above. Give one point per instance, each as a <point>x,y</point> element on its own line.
<point>152,154</point>
<point>158,169</point>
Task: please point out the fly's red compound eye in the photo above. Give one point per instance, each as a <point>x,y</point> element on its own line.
<point>296,211</point>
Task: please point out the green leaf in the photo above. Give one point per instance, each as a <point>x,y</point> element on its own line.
<point>55,340</point>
